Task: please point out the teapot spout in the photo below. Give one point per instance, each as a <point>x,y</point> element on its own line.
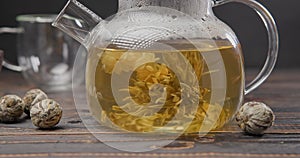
<point>77,21</point>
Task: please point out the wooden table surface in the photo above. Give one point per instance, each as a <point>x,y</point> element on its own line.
<point>72,139</point>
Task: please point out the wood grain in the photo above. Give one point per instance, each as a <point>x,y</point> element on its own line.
<point>72,139</point>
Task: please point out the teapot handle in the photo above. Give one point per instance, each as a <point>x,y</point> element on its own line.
<point>1,58</point>
<point>3,61</point>
<point>273,40</point>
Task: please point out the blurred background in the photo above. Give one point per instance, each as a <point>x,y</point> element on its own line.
<point>244,21</point>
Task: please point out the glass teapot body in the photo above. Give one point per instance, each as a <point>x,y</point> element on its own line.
<point>167,66</point>
<point>145,48</point>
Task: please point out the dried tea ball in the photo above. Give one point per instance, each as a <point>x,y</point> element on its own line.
<point>46,113</point>
<point>32,97</point>
<point>255,117</point>
<point>11,108</point>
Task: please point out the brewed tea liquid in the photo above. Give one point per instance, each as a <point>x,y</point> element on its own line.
<point>168,89</point>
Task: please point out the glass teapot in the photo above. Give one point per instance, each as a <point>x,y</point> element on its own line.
<point>164,65</point>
